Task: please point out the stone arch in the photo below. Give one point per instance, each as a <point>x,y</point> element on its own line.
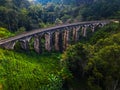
<point>24,42</point>
<point>9,45</point>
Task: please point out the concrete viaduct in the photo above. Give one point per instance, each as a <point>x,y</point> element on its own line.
<point>54,38</point>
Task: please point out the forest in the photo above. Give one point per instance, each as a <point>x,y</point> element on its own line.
<point>91,64</point>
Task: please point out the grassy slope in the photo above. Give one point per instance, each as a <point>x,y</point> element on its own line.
<point>22,71</point>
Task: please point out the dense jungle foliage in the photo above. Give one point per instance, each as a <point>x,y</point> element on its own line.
<point>96,64</point>
<point>91,64</point>
<point>28,15</point>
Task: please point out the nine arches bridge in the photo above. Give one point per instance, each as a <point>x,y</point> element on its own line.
<point>57,38</point>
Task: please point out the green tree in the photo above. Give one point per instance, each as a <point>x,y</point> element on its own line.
<point>104,32</point>
<point>101,9</point>
<point>104,69</point>
<point>58,21</point>
<point>75,58</point>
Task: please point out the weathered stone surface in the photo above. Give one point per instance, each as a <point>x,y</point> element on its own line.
<point>75,34</point>
<point>48,41</point>
<point>37,43</point>
<point>57,41</point>
<point>25,43</point>
<point>93,28</point>
<point>9,45</point>
<point>66,39</point>
<point>84,34</point>
<point>84,28</point>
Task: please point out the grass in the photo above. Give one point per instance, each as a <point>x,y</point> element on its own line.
<point>27,71</point>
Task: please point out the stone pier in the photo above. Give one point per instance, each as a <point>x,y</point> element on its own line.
<point>66,39</point>
<point>48,41</point>
<point>37,44</point>
<point>57,35</point>
<point>75,34</point>
<point>84,31</point>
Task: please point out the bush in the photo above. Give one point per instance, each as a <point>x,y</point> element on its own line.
<point>75,58</point>
<point>4,33</point>
<point>21,30</point>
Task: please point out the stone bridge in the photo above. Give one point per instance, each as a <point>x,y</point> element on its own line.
<point>54,38</point>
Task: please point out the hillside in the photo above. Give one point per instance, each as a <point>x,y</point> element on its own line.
<point>29,71</point>
<point>75,68</point>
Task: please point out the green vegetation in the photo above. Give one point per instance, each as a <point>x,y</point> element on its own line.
<point>17,14</point>
<point>96,64</point>
<point>93,64</point>
<point>4,33</point>
<point>102,9</point>
<point>105,32</point>
<point>23,71</point>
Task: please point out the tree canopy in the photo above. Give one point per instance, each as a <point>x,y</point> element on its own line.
<point>15,14</point>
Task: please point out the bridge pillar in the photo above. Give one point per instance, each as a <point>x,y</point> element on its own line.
<point>66,39</point>
<point>48,41</point>
<point>84,28</point>
<point>75,34</point>
<point>57,34</point>
<point>9,45</point>
<point>93,28</point>
<point>37,44</point>
<point>25,43</point>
